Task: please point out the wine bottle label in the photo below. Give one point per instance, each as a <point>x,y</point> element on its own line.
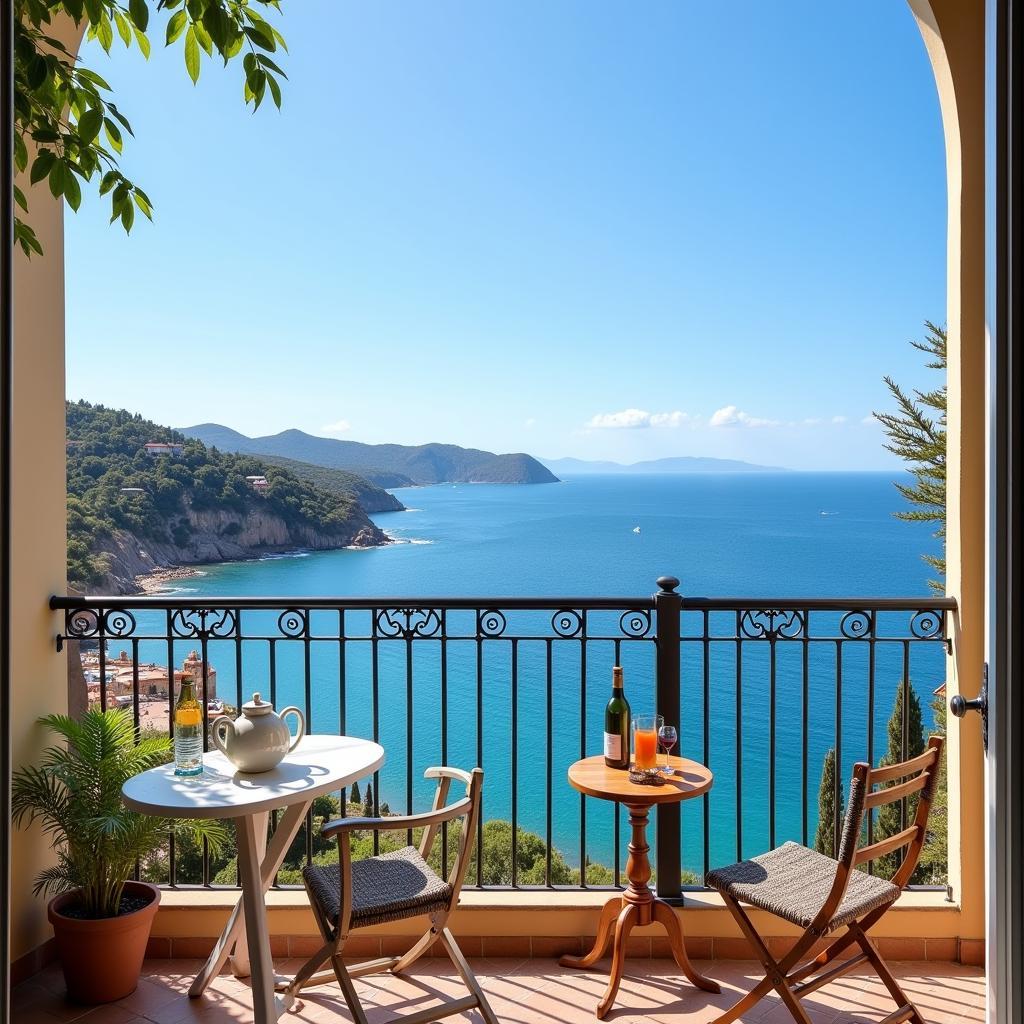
<point>613,746</point>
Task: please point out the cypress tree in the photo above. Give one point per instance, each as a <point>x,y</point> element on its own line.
<point>890,816</point>
<point>824,837</point>
<point>368,802</point>
<point>355,797</point>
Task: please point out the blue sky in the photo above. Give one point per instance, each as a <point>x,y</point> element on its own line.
<point>602,229</point>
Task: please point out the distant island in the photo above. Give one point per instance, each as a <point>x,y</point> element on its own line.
<point>386,465</point>
<point>674,464</point>
<point>144,499</point>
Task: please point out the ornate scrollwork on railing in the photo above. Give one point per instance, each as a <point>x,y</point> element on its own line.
<point>118,624</point>
<point>928,624</point>
<point>408,623</point>
<point>635,623</point>
<point>203,623</point>
<point>567,623</point>
<point>81,623</point>
<point>857,625</point>
<point>772,624</point>
<point>293,622</point>
<point>490,622</point>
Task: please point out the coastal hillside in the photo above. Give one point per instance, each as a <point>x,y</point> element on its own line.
<point>142,497</point>
<point>420,464</point>
<point>674,464</point>
<point>370,496</point>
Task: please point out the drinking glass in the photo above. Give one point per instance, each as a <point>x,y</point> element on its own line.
<point>645,742</point>
<point>667,739</point>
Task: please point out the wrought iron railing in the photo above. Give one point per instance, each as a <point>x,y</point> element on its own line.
<point>761,689</point>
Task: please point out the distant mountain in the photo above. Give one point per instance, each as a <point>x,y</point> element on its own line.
<point>676,464</point>
<point>421,464</point>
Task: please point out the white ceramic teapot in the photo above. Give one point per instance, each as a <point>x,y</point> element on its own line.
<point>258,739</point>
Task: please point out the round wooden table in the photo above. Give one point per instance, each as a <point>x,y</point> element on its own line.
<point>637,905</point>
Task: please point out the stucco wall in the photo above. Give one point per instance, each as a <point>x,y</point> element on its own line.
<point>38,524</point>
<point>954,35</point>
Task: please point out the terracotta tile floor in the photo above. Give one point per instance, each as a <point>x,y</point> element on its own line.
<point>521,992</point>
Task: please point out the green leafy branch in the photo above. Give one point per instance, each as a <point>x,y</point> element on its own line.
<point>917,434</point>
<point>65,109</point>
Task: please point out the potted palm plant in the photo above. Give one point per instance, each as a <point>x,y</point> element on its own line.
<point>101,918</point>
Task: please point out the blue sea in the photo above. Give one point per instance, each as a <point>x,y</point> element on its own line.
<point>760,534</point>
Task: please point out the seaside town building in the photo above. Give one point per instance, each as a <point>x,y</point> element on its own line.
<point>258,483</point>
<point>153,678</point>
<point>155,448</point>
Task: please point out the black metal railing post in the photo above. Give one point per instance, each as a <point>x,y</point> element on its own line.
<point>667,611</point>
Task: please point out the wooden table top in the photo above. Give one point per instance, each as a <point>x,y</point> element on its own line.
<point>594,778</point>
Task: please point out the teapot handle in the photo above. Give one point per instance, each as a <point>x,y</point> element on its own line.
<point>217,729</point>
<point>301,731</point>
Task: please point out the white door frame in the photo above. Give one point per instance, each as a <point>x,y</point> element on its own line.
<point>1004,778</point>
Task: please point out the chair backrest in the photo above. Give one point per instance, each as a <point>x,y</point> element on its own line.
<point>896,782</point>
<point>473,782</point>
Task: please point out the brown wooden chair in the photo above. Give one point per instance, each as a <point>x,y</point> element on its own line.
<point>391,887</point>
<point>825,896</point>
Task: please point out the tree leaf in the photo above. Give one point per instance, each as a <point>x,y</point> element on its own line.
<point>257,36</point>
<point>176,26</point>
<point>41,165</point>
<point>192,55</point>
<point>89,125</point>
<point>38,71</point>
<point>143,40</point>
<point>275,90</point>
<point>108,181</point>
<point>56,179</point>
<point>19,198</point>
<point>139,10</point>
<point>123,28</point>
<point>127,216</point>
<point>72,190</point>
<point>143,205</point>
<point>113,134</point>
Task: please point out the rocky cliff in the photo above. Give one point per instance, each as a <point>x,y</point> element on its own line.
<point>222,536</point>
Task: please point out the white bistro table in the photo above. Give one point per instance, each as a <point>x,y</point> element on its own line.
<point>318,765</point>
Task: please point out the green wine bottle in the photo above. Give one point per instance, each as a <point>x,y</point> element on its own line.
<point>616,725</point>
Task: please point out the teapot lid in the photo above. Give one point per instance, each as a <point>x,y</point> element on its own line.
<point>257,706</point>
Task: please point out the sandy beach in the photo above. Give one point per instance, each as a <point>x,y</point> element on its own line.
<point>160,580</point>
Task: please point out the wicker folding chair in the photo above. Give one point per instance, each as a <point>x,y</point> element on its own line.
<point>824,896</point>
<point>391,887</point>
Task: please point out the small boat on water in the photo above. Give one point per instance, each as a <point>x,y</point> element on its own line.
<point>636,529</point>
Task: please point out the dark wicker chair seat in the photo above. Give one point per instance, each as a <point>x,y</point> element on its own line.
<point>793,883</point>
<point>389,887</point>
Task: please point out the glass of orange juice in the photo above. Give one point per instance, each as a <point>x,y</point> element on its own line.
<point>645,742</point>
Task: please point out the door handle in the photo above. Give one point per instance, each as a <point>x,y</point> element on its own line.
<point>960,705</point>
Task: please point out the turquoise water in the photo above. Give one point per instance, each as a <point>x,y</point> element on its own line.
<point>728,535</point>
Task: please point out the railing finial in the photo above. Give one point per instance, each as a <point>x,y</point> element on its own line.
<point>668,584</point>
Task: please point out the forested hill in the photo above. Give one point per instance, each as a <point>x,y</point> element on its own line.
<point>420,464</point>
<point>338,481</point>
<point>130,512</point>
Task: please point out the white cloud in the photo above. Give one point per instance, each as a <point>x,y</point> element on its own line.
<point>838,419</point>
<point>531,422</point>
<point>869,420</point>
<point>670,419</point>
<point>341,427</point>
<point>628,419</point>
<point>638,419</point>
<point>731,416</point>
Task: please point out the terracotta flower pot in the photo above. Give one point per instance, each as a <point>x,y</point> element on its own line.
<point>102,958</point>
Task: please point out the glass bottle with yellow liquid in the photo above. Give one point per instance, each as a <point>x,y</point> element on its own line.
<point>188,731</point>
